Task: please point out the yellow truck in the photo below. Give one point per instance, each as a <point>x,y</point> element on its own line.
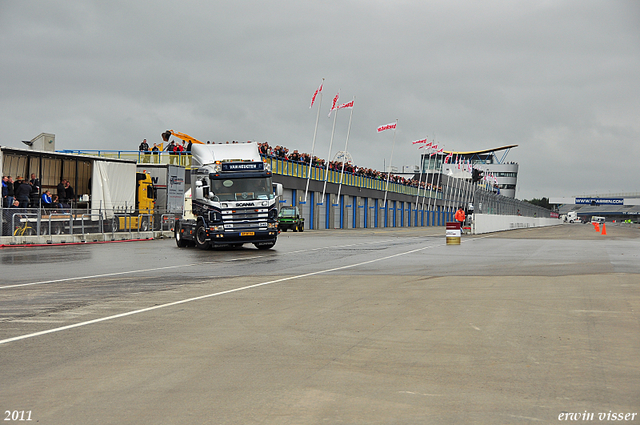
<point>140,217</point>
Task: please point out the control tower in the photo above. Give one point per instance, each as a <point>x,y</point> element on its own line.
<point>491,161</point>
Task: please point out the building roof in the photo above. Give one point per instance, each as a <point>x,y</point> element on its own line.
<point>482,151</point>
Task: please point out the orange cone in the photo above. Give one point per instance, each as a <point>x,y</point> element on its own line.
<point>597,226</point>
<point>604,229</point>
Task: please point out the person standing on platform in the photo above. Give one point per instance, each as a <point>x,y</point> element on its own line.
<point>155,151</point>
<point>7,191</point>
<point>70,194</point>
<point>188,154</point>
<point>35,191</point>
<point>23,193</point>
<point>144,148</point>
<point>172,152</point>
<point>180,149</point>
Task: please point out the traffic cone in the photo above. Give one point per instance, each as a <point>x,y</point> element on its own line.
<point>604,229</point>
<point>597,226</point>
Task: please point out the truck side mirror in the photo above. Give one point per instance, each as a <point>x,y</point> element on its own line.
<point>277,188</point>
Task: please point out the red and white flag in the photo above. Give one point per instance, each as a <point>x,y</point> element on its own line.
<point>335,100</point>
<point>313,99</point>
<point>391,126</point>
<point>419,141</point>
<point>447,158</point>
<point>347,105</point>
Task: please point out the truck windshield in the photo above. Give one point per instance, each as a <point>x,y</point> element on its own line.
<point>242,189</point>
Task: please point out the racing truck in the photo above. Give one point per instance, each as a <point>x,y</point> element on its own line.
<point>233,200</point>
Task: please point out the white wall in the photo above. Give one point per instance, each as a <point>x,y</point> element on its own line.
<point>487,223</point>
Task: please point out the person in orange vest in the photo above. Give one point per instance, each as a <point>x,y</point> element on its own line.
<point>460,216</point>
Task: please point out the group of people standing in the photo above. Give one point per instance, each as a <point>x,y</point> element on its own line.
<point>176,151</point>
<point>20,193</point>
<point>27,194</point>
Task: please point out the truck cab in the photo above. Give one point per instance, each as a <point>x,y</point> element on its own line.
<point>233,201</point>
<point>141,218</point>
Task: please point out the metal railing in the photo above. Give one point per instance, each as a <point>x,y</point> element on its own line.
<point>21,222</point>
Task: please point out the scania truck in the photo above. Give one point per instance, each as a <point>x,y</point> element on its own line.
<point>233,199</point>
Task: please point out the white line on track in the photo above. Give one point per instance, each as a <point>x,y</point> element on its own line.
<point>68,279</point>
<point>215,294</point>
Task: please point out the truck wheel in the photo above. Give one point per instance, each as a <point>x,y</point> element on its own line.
<point>265,246</point>
<point>201,237</point>
<point>179,240</point>
<point>301,227</point>
<point>57,228</point>
<point>295,227</point>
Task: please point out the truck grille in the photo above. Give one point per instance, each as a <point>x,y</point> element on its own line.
<point>243,219</point>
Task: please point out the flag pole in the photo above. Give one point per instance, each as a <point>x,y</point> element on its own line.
<point>326,172</point>
<point>430,192</point>
<point>435,200</point>
<point>424,194</point>
<point>419,181</point>
<point>418,194</point>
<point>390,159</point>
<point>313,144</point>
<point>346,143</point>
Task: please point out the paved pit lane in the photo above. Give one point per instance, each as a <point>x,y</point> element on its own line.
<point>359,326</point>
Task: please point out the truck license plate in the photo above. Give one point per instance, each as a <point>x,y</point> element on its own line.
<point>247,233</point>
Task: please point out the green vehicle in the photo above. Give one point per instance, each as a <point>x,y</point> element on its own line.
<point>290,218</point>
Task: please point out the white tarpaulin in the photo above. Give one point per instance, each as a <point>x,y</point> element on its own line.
<point>113,185</point>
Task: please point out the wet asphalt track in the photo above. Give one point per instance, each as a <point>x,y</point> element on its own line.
<point>360,326</point>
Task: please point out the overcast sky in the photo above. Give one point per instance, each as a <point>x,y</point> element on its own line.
<point>561,79</point>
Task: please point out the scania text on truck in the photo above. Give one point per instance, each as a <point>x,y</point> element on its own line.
<point>232,199</point>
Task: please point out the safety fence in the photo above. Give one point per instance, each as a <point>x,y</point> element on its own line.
<point>24,222</point>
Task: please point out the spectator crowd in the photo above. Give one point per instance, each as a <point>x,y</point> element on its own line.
<point>281,152</point>
<point>177,150</point>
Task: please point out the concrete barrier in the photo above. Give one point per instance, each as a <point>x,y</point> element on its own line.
<point>79,238</point>
<point>488,223</point>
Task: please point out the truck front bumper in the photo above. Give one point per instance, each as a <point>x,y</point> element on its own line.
<point>253,236</point>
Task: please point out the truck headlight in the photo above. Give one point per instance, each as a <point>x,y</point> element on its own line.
<point>217,168</point>
<point>267,166</point>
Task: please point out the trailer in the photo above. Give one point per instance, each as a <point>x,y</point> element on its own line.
<point>107,193</point>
